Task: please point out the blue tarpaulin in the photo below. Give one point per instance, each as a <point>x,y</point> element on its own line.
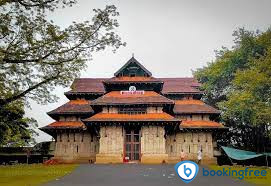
<point>237,154</point>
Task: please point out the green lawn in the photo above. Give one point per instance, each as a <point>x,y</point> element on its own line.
<point>251,179</point>
<point>35,174</point>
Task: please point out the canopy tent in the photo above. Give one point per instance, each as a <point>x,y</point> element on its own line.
<point>237,154</point>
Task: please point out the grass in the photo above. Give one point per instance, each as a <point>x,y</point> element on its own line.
<point>34,174</point>
<point>260,180</point>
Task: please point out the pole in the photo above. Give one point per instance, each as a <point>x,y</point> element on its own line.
<point>27,155</point>
<point>266,160</point>
<point>227,156</point>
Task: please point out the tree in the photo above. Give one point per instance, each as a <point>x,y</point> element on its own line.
<point>238,82</point>
<point>36,55</point>
<point>15,130</point>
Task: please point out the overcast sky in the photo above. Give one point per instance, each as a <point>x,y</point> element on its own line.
<point>169,37</point>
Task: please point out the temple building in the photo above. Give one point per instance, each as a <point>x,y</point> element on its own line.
<point>134,117</point>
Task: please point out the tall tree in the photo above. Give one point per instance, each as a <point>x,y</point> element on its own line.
<point>36,55</point>
<point>15,129</point>
<point>239,83</point>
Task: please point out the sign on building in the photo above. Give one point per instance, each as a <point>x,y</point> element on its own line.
<point>132,91</point>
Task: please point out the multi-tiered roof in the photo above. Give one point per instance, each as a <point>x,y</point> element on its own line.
<point>88,97</point>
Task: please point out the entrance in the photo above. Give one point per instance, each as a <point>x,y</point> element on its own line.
<point>132,144</point>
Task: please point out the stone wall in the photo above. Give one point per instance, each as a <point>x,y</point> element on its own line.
<point>111,145</point>
<point>76,147</point>
<point>190,143</point>
<point>153,149</point>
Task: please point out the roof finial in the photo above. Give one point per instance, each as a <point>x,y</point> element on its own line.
<point>133,55</point>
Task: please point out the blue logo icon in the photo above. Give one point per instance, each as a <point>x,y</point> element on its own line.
<point>187,170</point>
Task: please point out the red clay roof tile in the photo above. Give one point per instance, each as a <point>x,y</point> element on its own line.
<point>134,117</point>
<point>171,85</point>
<point>65,124</point>
<point>88,85</point>
<point>115,97</point>
<point>73,107</point>
<point>180,85</point>
<point>193,106</point>
<point>200,124</point>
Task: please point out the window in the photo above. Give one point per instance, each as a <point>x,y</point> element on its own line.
<point>139,110</point>
<point>77,148</point>
<point>60,137</point>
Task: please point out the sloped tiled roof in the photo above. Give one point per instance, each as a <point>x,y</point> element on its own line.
<point>134,117</point>
<point>115,98</point>
<point>171,85</point>
<point>193,106</point>
<point>64,124</point>
<point>180,85</point>
<point>88,85</point>
<point>200,124</point>
<point>73,107</point>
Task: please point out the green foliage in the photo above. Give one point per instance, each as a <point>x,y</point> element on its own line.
<point>239,83</point>
<point>36,55</point>
<point>15,130</point>
<point>34,174</point>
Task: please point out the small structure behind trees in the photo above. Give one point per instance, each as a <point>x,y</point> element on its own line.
<point>37,154</point>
